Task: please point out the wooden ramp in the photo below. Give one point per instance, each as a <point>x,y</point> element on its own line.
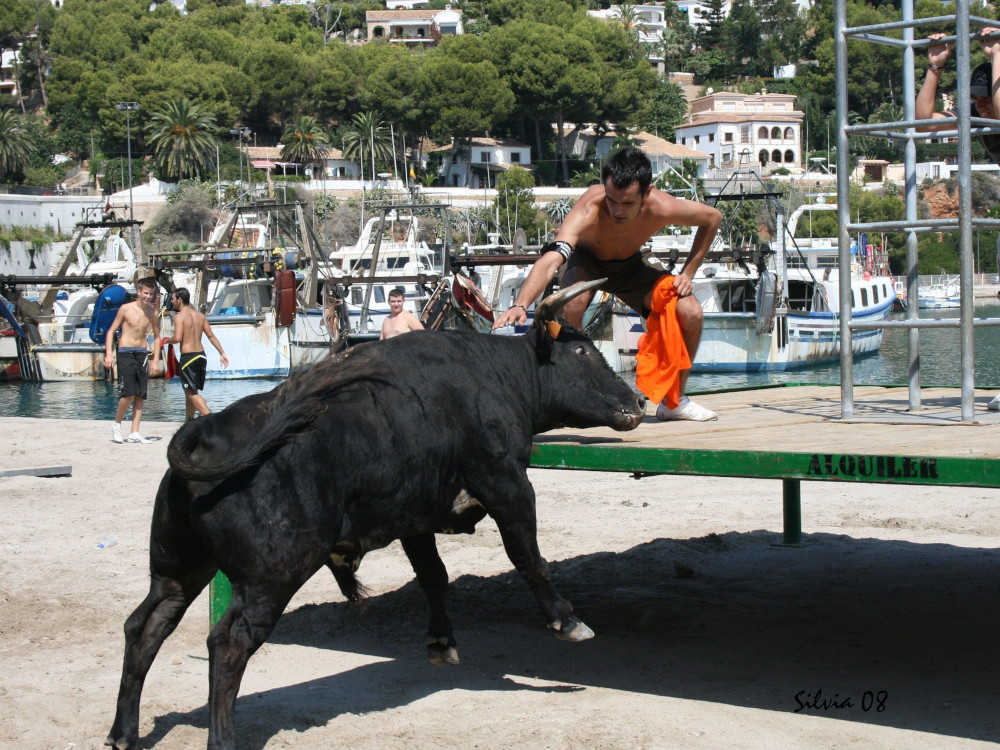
<point>796,432</point>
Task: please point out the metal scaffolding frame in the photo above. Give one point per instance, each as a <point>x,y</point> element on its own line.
<point>904,130</point>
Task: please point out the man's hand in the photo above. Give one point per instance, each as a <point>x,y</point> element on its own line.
<point>990,46</point>
<point>224,359</point>
<point>683,285</point>
<point>938,54</point>
<point>515,315</point>
<point>108,361</point>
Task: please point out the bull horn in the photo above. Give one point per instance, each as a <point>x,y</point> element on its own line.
<point>548,307</point>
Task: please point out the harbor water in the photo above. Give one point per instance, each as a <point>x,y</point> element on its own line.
<point>939,361</point>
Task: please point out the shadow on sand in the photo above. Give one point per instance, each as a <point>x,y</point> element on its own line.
<point>890,633</point>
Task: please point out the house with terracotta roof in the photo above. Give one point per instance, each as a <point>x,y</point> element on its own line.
<point>418,27</point>
<point>661,152</point>
<point>475,162</point>
<point>335,165</point>
<point>741,131</point>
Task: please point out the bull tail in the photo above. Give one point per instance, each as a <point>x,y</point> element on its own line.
<point>352,589</point>
<point>298,404</point>
<point>263,444</point>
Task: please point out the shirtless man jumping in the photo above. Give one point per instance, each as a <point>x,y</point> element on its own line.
<point>602,236</point>
<point>399,320</point>
<point>136,320</point>
<point>189,325</point>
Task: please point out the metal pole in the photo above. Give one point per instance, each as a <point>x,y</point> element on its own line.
<point>791,501</point>
<point>843,215</point>
<point>128,108</point>
<point>965,207</point>
<point>910,198</point>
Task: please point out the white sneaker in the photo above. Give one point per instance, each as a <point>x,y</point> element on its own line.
<point>116,432</point>
<point>686,409</point>
<point>135,437</point>
<point>994,405</point>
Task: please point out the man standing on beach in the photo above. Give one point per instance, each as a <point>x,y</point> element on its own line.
<point>136,320</point>
<point>399,320</point>
<point>189,325</point>
<point>602,237</point>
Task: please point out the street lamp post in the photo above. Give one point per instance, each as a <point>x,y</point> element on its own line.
<point>128,108</point>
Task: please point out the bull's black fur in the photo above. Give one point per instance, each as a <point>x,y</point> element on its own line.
<point>366,447</point>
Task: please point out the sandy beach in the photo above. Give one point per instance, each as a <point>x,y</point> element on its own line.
<point>879,632</point>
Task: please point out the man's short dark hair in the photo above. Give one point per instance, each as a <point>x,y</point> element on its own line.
<point>981,80</point>
<point>183,295</point>
<point>626,166</point>
<point>149,282</point>
<point>397,292</point>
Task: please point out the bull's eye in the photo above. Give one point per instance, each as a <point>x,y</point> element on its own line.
<point>581,350</point>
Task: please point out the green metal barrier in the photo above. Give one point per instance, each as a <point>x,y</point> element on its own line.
<point>791,468</point>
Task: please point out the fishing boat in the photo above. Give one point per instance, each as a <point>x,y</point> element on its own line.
<point>264,330</point>
<point>264,311</point>
<point>783,313</point>
<point>941,294</point>
<point>66,348</point>
<point>390,248</point>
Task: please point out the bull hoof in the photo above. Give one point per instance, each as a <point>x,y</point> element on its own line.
<point>120,743</point>
<point>440,651</point>
<point>572,629</point>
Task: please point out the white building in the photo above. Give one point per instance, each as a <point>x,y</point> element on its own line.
<point>650,22</point>
<point>745,130</point>
<point>8,80</point>
<point>695,10</point>
<point>475,163</point>
<point>405,4</point>
<point>414,28</point>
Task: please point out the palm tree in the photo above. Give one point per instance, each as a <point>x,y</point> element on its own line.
<point>368,135</point>
<point>16,148</point>
<point>629,16</point>
<point>182,135</point>
<point>305,141</point>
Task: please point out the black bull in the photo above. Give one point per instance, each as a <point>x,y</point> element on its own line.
<point>366,447</point>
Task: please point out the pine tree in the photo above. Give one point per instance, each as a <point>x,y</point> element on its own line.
<point>709,35</point>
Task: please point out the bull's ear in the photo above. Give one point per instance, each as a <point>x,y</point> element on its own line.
<point>542,340</point>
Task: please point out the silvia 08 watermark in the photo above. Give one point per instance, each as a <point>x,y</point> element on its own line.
<point>866,701</point>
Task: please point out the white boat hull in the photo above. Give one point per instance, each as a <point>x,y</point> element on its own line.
<point>730,342</point>
<point>258,348</point>
<point>64,362</point>
<point>938,303</point>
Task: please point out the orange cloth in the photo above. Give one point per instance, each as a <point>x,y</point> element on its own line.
<point>662,352</point>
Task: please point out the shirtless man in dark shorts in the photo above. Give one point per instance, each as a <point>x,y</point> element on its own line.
<point>602,236</point>
<point>189,325</point>
<point>136,320</point>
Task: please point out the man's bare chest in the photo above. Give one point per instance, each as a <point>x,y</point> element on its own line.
<point>614,241</point>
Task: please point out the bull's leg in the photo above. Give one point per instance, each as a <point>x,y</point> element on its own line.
<point>252,614</point>
<point>433,579</point>
<point>145,630</point>
<point>511,503</point>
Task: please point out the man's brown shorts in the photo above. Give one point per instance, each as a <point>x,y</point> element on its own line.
<point>629,279</point>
